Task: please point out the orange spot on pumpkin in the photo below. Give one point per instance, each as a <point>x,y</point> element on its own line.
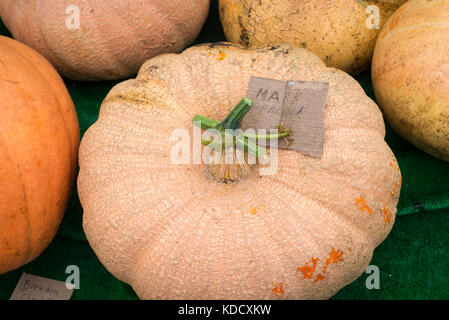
<point>387,215</point>
<point>319,277</point>
<point>395,165</point>
<point>221,56</point>
<point>278,289</point>
<point>254,210</point>
<point>307,270</point>
<point>334,257</point>
<point>361,203</point>
<point>395,188</point>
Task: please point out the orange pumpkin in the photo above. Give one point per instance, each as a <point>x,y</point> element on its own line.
<point>103,39</point>
<point>39,138</point>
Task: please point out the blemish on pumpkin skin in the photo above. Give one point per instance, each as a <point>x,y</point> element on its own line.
<point>278,289</point>
<point>319,277</point>
<point>334,257</point>
<point>221,56</point>
<point>361,203</point>
<point>253,210</point>
<point>307,270</point>
<point>395,165</point>
<point>394,189</point>
<point>387,215</point>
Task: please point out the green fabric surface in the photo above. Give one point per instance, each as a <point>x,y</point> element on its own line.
<point>413,260</point>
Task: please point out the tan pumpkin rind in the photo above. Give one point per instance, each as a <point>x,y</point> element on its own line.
<point>114,37</point>
<point>334,30</point>
<point>173,233</point>
<point>39,138</point>
<point>410,74</point>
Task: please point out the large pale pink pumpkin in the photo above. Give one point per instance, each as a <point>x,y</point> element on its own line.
<point>178,232</point>
<point>114,37</point>
<point>39,138</point>
<point>410,74</point>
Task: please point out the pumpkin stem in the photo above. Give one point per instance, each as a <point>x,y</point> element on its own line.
<point>205,123</point>
<point>283,132</point>
<point>234,144</point>
<point>240,139</point>
<point>235,117</point>
<point>232,121</point>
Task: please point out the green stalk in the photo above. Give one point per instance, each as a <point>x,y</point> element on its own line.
<point>283,132</point>
<point>251,147</point>
<point>233,121</point>
<point>205,123</point>
<point>236,115</point>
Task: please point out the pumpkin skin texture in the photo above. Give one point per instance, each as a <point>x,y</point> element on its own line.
<point>410,75</point>
<point>172,232</point>
<point>39,138</point>
<point>114,37</point>
<point>334,30</point>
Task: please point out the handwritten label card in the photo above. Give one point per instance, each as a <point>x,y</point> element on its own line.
<point>31,287</point>
<point>268,97</point>
<point>298,105</point>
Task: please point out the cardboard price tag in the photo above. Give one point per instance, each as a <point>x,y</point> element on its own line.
<point>298,105</point>
<point>31,287</point>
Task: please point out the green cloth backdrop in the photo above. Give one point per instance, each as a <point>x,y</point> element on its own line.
<point>413,260</point>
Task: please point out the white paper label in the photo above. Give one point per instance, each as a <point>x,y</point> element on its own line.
<point>31,287</point>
